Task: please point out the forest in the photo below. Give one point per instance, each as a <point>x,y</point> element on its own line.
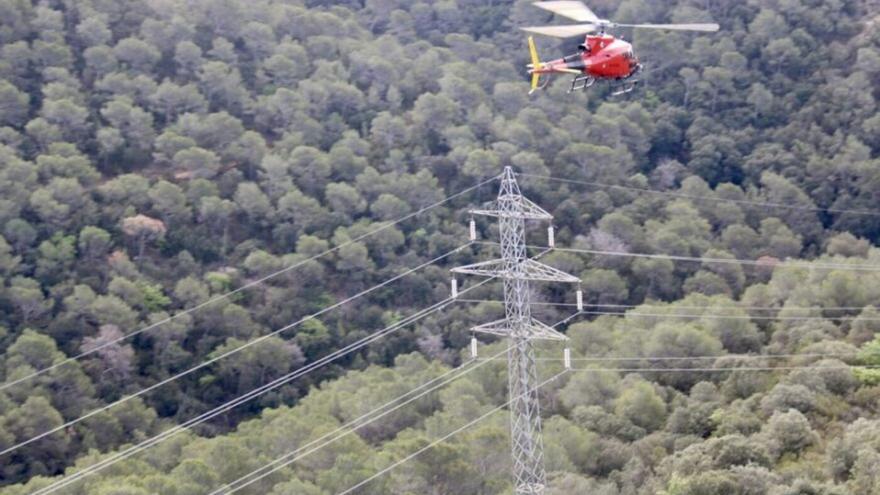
<point>183,185</point>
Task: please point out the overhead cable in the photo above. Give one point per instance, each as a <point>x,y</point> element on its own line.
<point>744,368</point>
<point>352,426</point>
<point>65,481</point>
<point>228,353</point>
<point>678,306</point>
<point>697,197</point>
<point>711,316</point>
<point>707,357</point>
<point>732,317</point>
<point>441,439</point>
<point>729,261</point>
<point>246,286</point>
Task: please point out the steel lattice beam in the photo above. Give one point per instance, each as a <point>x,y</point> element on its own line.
<point>526,269</point>
<point>516,270</point>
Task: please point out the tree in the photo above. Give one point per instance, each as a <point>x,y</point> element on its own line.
<point>679,340</point>
<point>44,456</point>
<point>788,432</point>
<point>481,163</point>
<point>169,201</point>
<point>222,85</point>
<point>218,213</point>
<point>8,262</point>
<point>143,228</point>
<point>93,31</point>
<point>221,141</point>
<point>136,54</point>
<point>389,207</point>
<point>253,202</point>
<point>259,39</point>
<point>784,397</point>
<point>116,358</point>
<point>188,57</point>
<point>100,61</point>
<point>640,404</point>
<point>190,292</point>
<point>132,122</point>
<point>94,243</point>
<point>310,169</point>
<point>197,161</point>
<point>13,105</point>
<point>27,296</point>
<point>591,388</point>
<point>111,310</point>
<point>56,257</point>
<point>64,160</point>
<point>258,364</point>
<point>344,199</point>
<point>67,116</point>
<point>171,100</point>
<point>604,287</point>
<point>354,257</point>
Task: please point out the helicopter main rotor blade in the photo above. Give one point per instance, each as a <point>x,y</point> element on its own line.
<point>561,31</point>
<point>708,27</point>
<point>572,9</point>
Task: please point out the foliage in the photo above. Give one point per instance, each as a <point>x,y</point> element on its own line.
<point>154,156</point>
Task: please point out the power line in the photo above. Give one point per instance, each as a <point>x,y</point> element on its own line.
<point>677,306</point>
<point>246,397</point>
<point>710,316</point>
<point>246,286</point>
<point>732,317</point>
<point>566,320</point>
<point>352,426</point>
<point>442,439</point>
<point>295,455</point>
<point>709,357</point>
<point>771,204</point>
<point>496,409</point>
<point>745,368</point>
<point>229,352</point>
<point>730,261</point>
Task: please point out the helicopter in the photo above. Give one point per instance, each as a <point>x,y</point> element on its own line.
<point>601,57</point>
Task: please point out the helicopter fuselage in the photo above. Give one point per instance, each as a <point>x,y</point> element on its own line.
<point>600,56</point>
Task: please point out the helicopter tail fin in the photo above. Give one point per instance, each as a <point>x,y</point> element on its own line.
<point>535,65</point>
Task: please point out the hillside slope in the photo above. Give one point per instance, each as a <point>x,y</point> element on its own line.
<point>155,154</point>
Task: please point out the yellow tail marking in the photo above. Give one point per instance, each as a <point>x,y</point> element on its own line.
<point>536,63</point>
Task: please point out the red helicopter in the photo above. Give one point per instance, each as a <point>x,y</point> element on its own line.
<point>601,56</point>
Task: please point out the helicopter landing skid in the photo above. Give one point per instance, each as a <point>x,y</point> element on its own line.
<point>624,88</point>
<point>581,83</point>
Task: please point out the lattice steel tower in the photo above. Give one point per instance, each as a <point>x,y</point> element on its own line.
<point>517,270</point>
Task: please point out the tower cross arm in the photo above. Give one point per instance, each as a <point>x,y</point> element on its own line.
<point>513,206</point>
<point>534,330</point>
<point>526,269</point>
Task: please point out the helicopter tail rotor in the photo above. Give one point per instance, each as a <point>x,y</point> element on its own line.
<point>535,65</point>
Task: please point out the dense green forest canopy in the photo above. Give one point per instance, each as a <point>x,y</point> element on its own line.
<point>157,153</point>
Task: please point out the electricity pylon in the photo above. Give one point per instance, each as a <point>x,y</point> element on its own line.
<point>517,270</point>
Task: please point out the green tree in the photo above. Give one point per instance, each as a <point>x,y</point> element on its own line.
<point>640,404</point>
<point>13,105</point>
<point>136,54</point>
